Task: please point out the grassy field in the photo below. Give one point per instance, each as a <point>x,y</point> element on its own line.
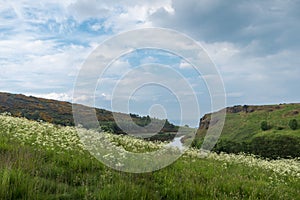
<point>42,161</point>
<point>242,131</point>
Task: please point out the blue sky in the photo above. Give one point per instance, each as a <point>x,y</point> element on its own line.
<point>255,46</point>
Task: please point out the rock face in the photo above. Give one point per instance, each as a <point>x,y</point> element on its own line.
<point>234,109</point>
<point>239,108</point>
<point>204,121</point>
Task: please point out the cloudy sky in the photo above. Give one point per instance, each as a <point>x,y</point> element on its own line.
<point>255,46</point>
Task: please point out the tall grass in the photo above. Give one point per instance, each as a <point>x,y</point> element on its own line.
<point>35,164</point>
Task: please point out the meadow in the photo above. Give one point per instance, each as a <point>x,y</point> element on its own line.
<point>39,160</point>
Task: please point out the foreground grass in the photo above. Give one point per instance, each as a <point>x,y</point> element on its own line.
<point>42,161</point>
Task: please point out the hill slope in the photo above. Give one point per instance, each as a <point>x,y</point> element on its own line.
<point>60,112</point>
<point>43,161</point>
<point>243,133</point>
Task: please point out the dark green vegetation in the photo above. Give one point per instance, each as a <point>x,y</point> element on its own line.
<point>32,172</point>
<point>293,124</point>
<point>269,131</point>
<point>60,112</point>
<point>265,126</point>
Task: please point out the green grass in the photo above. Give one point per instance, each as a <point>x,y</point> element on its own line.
<point>242,130</point>
<point>30,174</point>
<point>31,170</point>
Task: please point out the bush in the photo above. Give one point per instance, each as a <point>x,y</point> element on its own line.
<point>270,146</point>
<point>280,128</point>
<point>229,146</point>
<point>264,126</point>
<point>293,124</point>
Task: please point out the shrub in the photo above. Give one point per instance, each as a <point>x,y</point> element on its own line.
<point>264,126</point>
<point>280,128</point>
<point>293,124</point>
<point>271,146</point>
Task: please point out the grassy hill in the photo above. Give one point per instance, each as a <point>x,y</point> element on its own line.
<point>60,112</point>
<point>40,160</point>
<point>243,132</point>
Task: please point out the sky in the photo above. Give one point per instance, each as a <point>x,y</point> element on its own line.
<point>254,45</point>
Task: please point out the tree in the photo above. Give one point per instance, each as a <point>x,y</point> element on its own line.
<point>293,124</point>
<point>148,120</point>
<point>106,129</point>
<point>35,115</point>
<point>264,126</point>
<point>245,108</point>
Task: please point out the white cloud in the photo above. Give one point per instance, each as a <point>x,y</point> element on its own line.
<point>119,15</point>
<point>256,46</point>
<point>221,52</point>
<point>84,9</point>
<point>55,96</point>
<point>185,65</point>
<point>96,27</point>
<point>117,68</point>
<point>34,65</point>
<point>148,59</point>
<point>106,97</point>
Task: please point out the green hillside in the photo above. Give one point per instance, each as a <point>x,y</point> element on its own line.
<point>243,131</point>
<point>39,160</point>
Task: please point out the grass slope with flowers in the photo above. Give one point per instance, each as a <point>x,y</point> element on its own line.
<point>40,160</point>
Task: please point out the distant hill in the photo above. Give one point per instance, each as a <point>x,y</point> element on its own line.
<point>60,112</point>
<point>243,130</point>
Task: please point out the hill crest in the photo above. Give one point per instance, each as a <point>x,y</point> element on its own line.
<point>60,112</point>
